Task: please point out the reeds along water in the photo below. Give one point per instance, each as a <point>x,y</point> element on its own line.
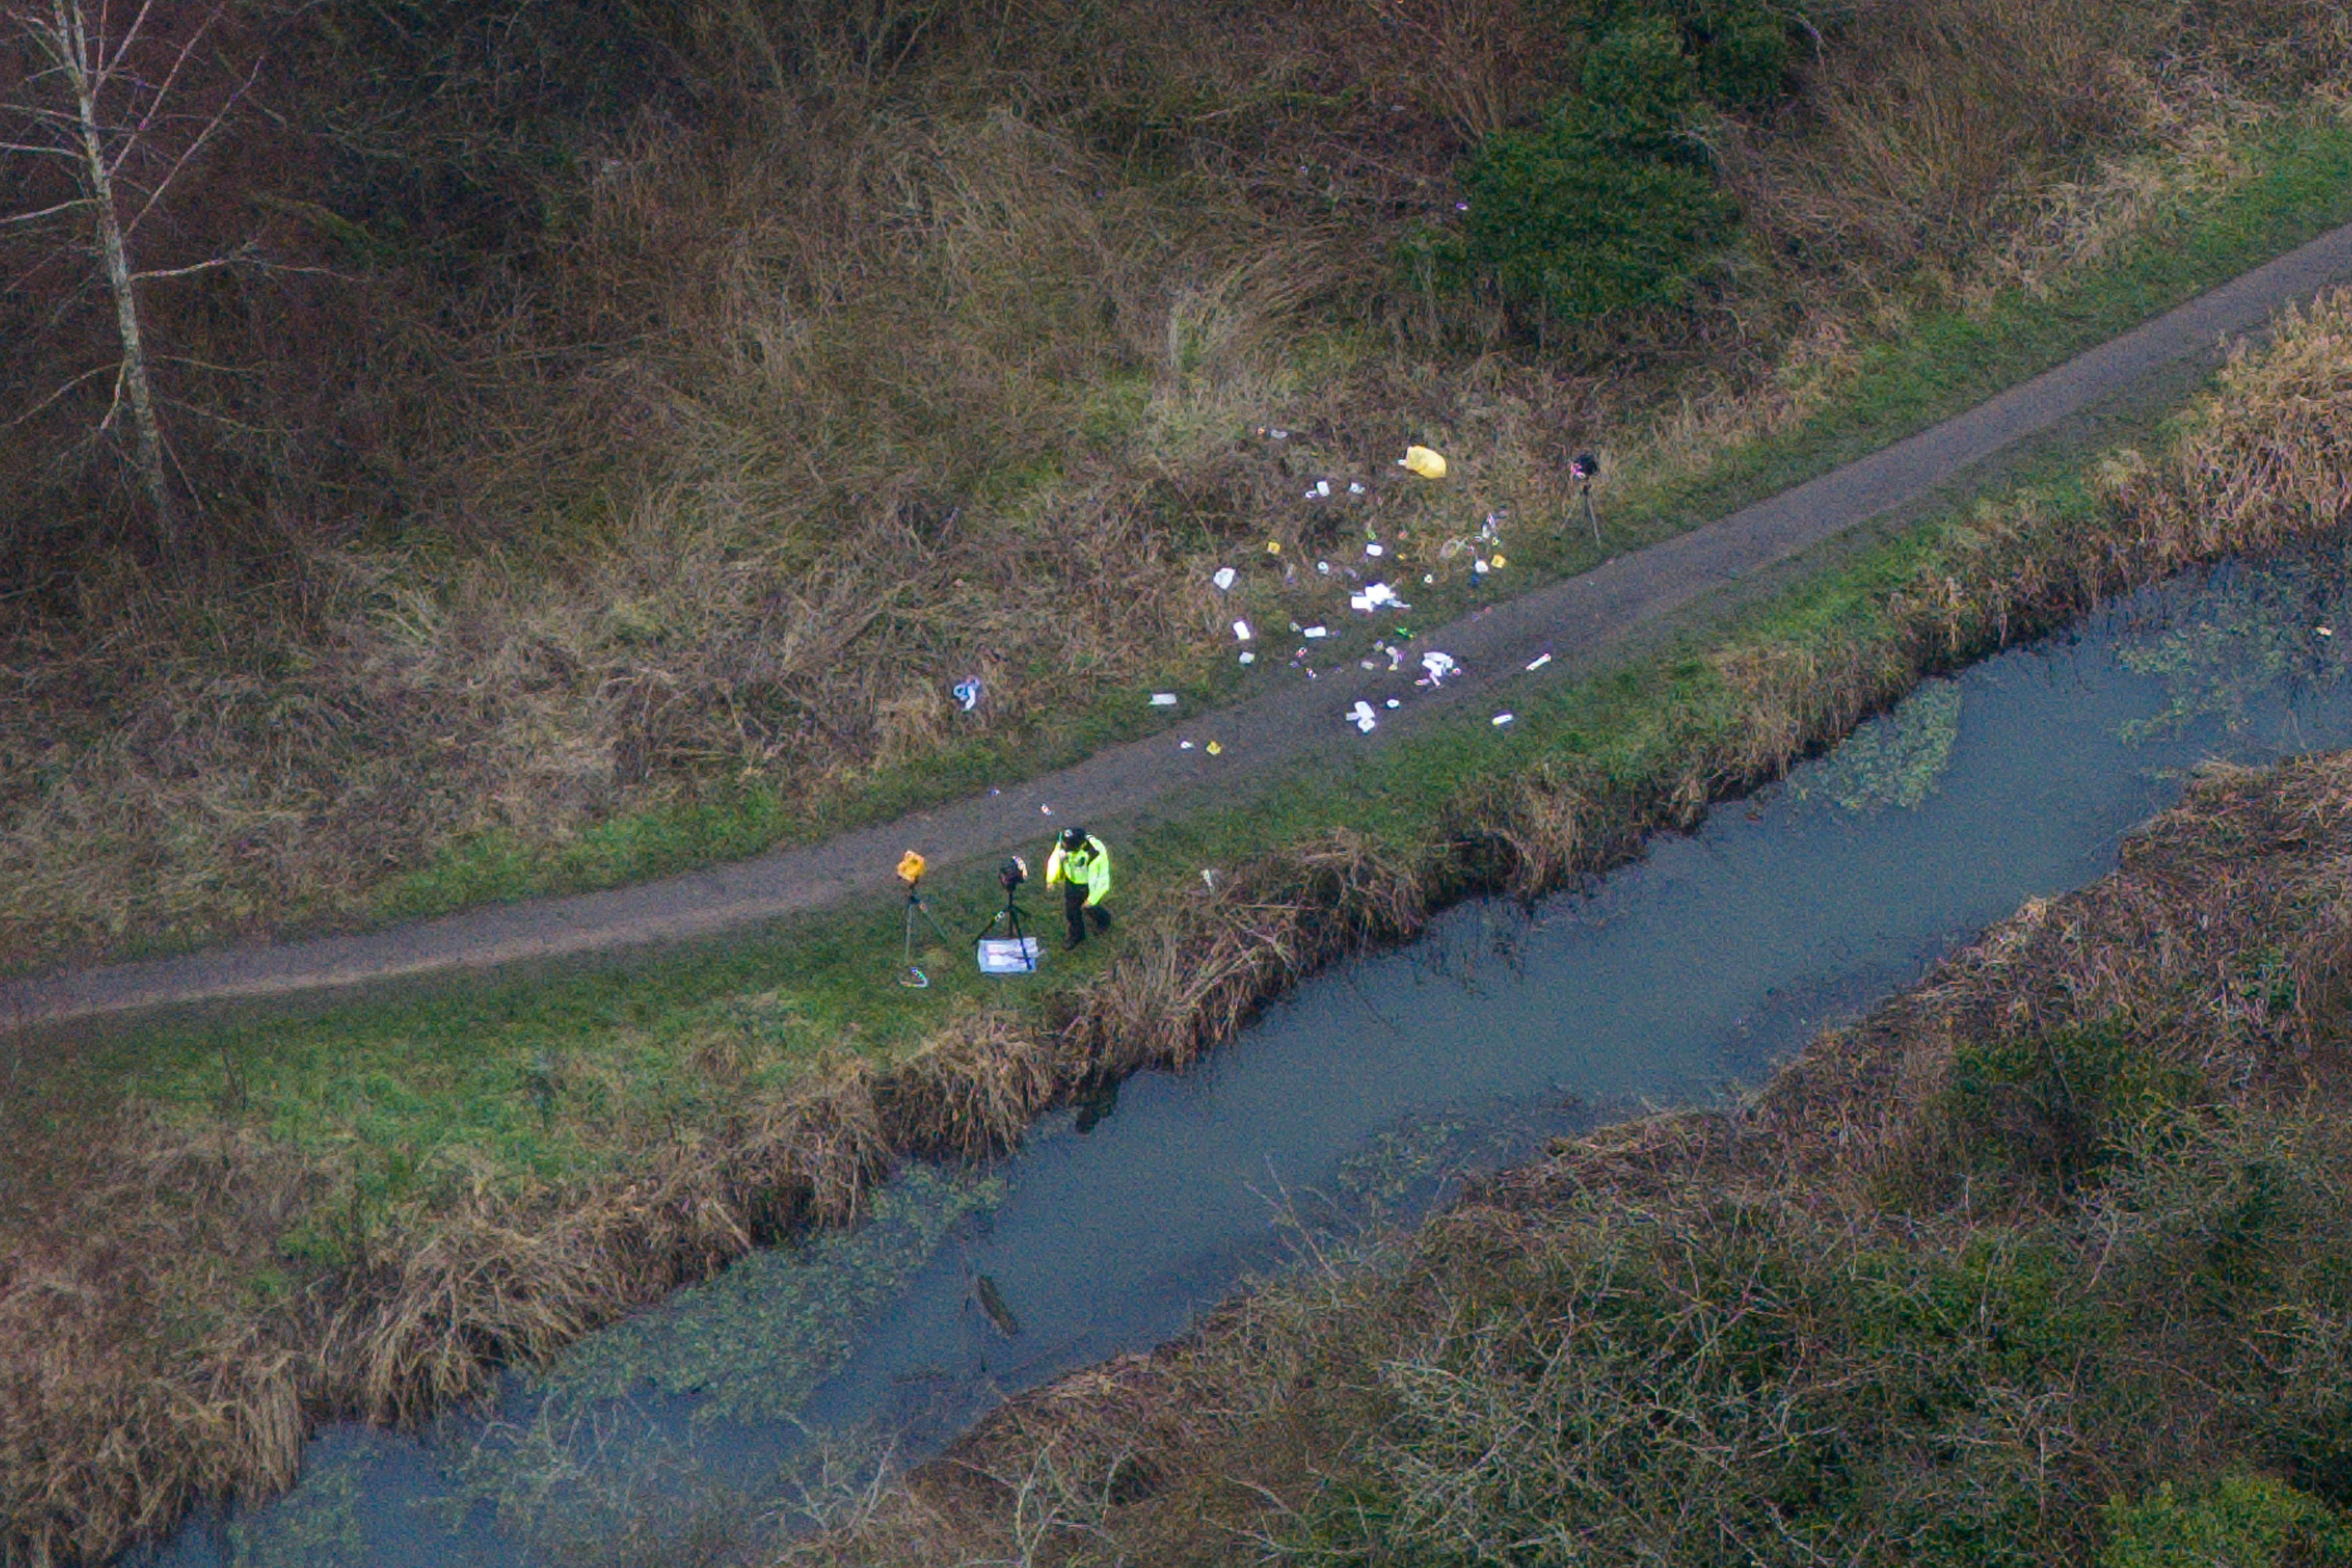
<point>1719,952</point>
<point>777,495</point>
<point>119,1418</point>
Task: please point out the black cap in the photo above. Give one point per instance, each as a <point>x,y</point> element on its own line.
<point>1074,838</point>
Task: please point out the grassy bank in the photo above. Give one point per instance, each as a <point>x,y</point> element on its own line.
<point>214,1235</point>
<point>2042,1262</point>
<point>657,535</point>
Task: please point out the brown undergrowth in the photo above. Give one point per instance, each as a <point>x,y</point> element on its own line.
<point>616,543</point>
<point>1481,1376</point>
<point>134,1389</point>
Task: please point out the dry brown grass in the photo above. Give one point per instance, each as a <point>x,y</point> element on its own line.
<point>1210,1448</point>
<point>2260,466</point>
<point>128,1402</point>
<point>1191,977</point>
<point>902,370</point>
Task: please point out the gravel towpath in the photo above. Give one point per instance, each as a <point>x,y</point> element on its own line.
<point>1262,737</point>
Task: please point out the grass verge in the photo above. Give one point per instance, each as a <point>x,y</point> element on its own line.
<point>366,1212</point>
<point>2297,185</point>
<point>2042,1262</point>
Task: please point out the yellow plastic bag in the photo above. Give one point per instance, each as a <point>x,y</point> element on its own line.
<point>1425,462</point>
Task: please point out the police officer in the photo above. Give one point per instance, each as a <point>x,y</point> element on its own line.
<point>1081,863</point>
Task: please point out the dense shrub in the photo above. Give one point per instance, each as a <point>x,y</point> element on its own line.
<point>1611,204</point>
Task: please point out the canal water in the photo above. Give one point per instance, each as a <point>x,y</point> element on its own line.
<point>755,1403</point>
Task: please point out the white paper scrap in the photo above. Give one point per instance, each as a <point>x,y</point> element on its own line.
<point>1222,577</point>
<point>1501,719</point>
<point>1317,632</point>
<point>1539,661</point>
<point>1241,631</point>
<point>1163,700</point>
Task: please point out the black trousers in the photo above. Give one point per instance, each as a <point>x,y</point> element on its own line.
<point>1074,907</point>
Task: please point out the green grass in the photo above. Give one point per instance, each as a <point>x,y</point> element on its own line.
<point>544,1076</point>
<point>1942,362</point>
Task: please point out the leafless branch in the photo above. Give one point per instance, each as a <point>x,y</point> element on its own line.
<point>193,148</point>
<point>90,375</point>
<point>47,211</point>
<point>236,257</point>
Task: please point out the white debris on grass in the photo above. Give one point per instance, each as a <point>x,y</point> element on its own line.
<point>1363,717</point>
<point>1501,719</point>
<point>1222,577</point>
<point>1163,700</point>
<point>1241,631</point>
<point>1439,666</point>
<point>1539,661</point>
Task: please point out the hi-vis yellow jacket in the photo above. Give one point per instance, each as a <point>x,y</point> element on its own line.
<point>1088,867</point>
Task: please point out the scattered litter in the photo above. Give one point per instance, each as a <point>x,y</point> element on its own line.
<point>1439,665</point>
<point>1374,596</point>
<point>1539,661</point>
<point>1429,579</point>
<point>1451,548</point>
<point>1294,625</point>
<point>1273,547</point>
<point>1322,487</point>
<point>1273,432</point>
<point>1498,562</point>
<point>1355,487</point>
<point>1396,659</point>
<point>1324,567</point>
<point>1209,877</point>
<point>1363,717</point>
<point>1501,719</point>
<point>1213,749</point>
<point>1163,700</point>
<point>1479,566</point>
<point>1046,809</point>
<point>967,692</point>
<point>1374,549</point>
<point>1222,577</point>
<point>1368,664</point>
<point>1394,704</point>
<point>1183,745</point>
<point>2327,631</point>
<point>1315,632</point>
<point>1241,631</point>
<point>1429,464</point>
<point>1249,658</point>
<point>994,790</point>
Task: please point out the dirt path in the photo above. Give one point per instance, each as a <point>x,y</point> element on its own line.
<point>1262,737</point>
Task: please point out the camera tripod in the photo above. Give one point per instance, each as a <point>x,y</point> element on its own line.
<point>1013,918</point>
<point>912,977</point>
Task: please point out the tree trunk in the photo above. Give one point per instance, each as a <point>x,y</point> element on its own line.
<point>115,253</point>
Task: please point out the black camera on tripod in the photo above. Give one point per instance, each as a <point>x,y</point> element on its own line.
<point>1012,874</point>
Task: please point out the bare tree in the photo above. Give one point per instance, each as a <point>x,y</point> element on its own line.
<point>109,101</point>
